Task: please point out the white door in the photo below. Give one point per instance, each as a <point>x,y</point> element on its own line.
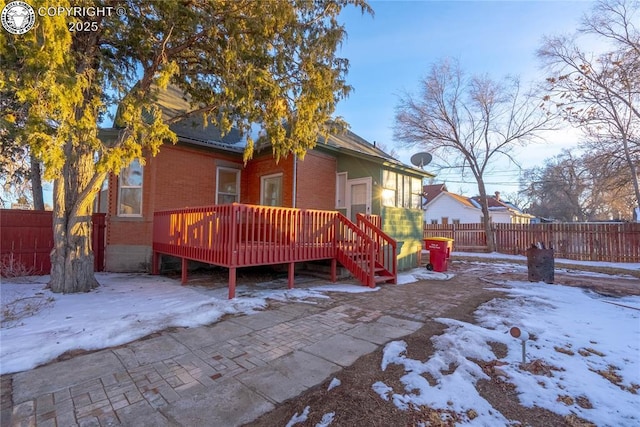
<point>359,197</point>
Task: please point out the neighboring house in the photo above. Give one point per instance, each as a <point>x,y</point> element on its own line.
<point>443,207</point>
<point>344,173</point>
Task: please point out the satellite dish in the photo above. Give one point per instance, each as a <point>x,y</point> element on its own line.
<point>421,159</point>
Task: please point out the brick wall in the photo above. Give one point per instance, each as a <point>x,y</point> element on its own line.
<point>316,182</point>
<point>266,165</point>
<point>182,176</point>
<point>177,177</point>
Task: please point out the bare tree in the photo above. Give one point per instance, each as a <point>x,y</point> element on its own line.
<point>577,188</point>
<point>559,189</point>
<point>600,92</point>
<point>468,122</point>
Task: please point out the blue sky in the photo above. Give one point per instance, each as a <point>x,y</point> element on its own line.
<point>390,52</point>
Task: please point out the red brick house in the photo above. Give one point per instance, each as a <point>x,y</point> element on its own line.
<point>205,169</point>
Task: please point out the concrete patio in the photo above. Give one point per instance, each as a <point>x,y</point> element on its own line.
<point>228,373</point>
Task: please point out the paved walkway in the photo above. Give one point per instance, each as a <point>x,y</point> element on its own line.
<point>228,373</point>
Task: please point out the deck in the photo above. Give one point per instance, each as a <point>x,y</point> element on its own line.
<point>240,235</point>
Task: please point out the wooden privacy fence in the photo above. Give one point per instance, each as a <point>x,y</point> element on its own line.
<point>26,241</point>
<point>613,242</point>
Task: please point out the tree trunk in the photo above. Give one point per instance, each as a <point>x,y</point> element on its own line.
<point>72,255</point>
<point>486,219</point>
<point>36,184</point>
<point>634,178</point>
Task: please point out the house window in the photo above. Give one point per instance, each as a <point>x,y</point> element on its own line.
<point>341,190</point>
<point>416,193</point>
<point>445,220</point>
<point>228,187</point>
<point>434,221</point>
<point>130,191</point>
<point>401,191</point>
<point>456,222</point>
<point>271,190</point>
<point>389,188</point>
<point>101,203</point>
<point>406,202</point>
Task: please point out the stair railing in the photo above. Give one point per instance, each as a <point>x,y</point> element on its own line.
<point>385,246</point>
<point>355,250</point>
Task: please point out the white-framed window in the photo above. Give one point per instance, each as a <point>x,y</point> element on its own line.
<point>406,193</point>
<point>228,185</point>
<point>389,188</point>
<point>341,190</point>
<point>401,191</point>
<point>416,193</point>
<point>130,190</point>
<point>271,190</point>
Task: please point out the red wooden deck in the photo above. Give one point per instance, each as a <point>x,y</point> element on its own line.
<point>238,235</point>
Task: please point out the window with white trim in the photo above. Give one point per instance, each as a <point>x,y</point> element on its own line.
<point>401,191</point>
<point>130,190</point>
<point>228,185</point>
<point>271,190</point>
<point>416,193</point>
<point>389,188</point>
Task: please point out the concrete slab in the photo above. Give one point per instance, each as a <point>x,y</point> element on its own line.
<point>28,385</point>
<point>341,349</point>
<point>228,403</point>
<point>263,319</point>
<point>272,383</point>
<point>381,332</point>
<point>401,323</point>
<point>195,338</point>
<point>149,351</point>
<point>300,309</point>
<point>144,415</point>
<point>310,370</point>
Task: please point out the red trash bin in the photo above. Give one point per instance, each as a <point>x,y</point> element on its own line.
<point>439,252</point>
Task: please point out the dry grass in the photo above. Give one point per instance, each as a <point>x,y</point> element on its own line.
<point>19,308</point>
<point>610,374</point>
<point>586,352</point>
<point>566,399</point>
<point>540,367</point>
<point>425,415</point>
<point>11,267</point>
<point>584,402</point>
<point>575,421</point>
<point>564,350</point>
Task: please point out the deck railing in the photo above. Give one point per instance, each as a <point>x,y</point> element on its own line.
<point>244,235</point>
<point>240,235</point>
<point>384,244</point>
<point>355,250</point>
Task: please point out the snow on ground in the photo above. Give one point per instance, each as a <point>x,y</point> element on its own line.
<point>126,307</point>
<point>333,384</point>
<point>589,343</point>
<point>585,338</point>
<point>558,261</point>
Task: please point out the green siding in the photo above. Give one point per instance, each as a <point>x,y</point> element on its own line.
<point>359,168</point>
<point>404,225</point>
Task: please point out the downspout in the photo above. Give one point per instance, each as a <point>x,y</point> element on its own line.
<point>295,179</point>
